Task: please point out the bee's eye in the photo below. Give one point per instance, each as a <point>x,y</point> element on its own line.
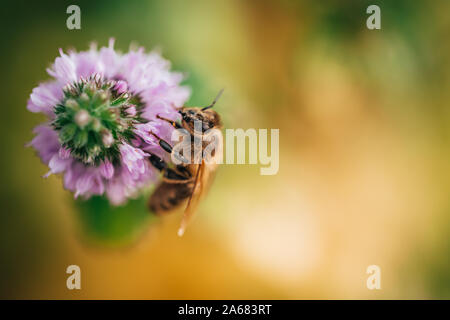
<point>191,112</point>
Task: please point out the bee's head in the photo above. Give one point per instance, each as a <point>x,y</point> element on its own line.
<point>189,114</point>
<point>209,118</point>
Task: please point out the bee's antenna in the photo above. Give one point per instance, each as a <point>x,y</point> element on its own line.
<point>214,102</point>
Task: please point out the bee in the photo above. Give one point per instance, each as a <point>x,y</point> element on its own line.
<point>185,182</point>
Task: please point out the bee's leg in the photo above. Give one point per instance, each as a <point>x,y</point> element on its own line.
<point>179,174</point>
<point>174,124</point>
<point>157,162</point>
<point>163,143</point>
<point>168,148</point>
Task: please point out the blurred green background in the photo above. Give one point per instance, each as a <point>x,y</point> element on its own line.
<point>364,154</point>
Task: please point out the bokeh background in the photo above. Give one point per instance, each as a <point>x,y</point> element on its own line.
<point>364,172</point>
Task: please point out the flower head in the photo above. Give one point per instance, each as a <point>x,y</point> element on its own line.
<point>101,107</point>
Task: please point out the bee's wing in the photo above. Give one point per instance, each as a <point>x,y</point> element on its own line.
<point>203,180</point>
<point>194,199</point>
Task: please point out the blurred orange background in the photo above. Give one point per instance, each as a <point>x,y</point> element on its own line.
<point>364,155</point>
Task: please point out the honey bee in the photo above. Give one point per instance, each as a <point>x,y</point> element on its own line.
<point>186,181</point>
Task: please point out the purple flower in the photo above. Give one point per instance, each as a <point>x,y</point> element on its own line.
<point>101,106</point>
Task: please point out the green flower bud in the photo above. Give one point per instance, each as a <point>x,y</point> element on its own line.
<point>90,121</point>
<point>82,118</point>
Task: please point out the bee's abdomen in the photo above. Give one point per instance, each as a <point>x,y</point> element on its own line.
<point>167,196</point>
